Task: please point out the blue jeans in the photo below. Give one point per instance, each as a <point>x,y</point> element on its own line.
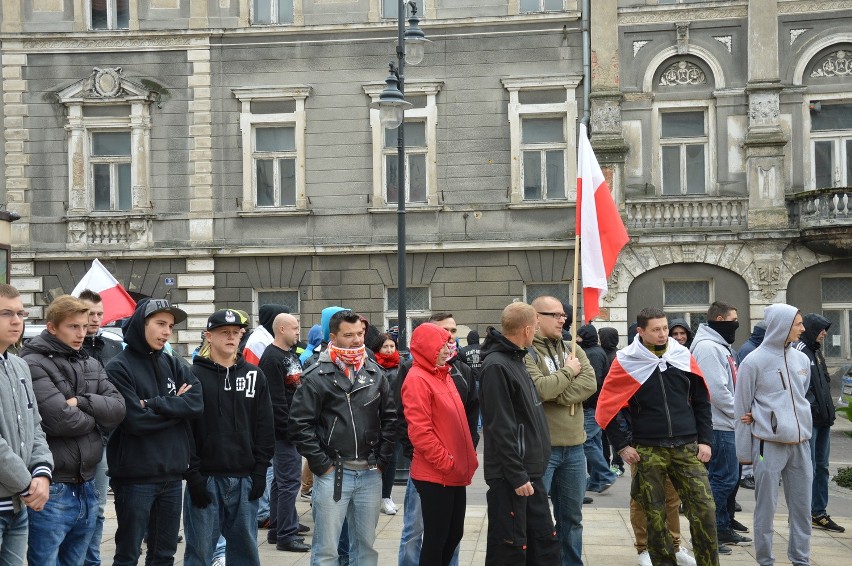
<point>230,514</point>
<point>147,507</point>
<point>93,554</point>
<point>13,537</point>
<point>565,482</point>
<point>724,472</point>
<point>263,502</point>
<point>600,475</point>
<point>820,449</point>
<point>60,533</point>
<point>359,503</point>
<point>411,538</point>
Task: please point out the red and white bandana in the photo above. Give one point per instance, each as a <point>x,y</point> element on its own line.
<point>346,358</point>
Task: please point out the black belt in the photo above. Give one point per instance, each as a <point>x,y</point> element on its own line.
<point>338,479</point>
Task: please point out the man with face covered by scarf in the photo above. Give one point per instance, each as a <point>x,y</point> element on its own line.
<point>341,421</point>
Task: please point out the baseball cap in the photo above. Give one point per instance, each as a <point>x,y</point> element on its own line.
<point>225,317</point>
<point>162,305</point>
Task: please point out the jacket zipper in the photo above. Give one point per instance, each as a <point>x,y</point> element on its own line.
<point>781,376</point>
<point>330,432</point>
<point>666,403</point>
<point>352,416</point>
<point>792,398</point>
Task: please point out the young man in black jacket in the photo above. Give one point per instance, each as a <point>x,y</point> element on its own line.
<point>517,447</point>
<point>232,445</point>
<point>149,452</point>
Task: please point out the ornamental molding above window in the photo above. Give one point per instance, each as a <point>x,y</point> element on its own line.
<point>108,85</point>
<point>837,64</point>
<point>682,73</point>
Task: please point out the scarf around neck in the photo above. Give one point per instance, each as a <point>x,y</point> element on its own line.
<point>346,358</point>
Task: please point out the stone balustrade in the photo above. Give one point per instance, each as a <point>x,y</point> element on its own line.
<point>132,231</point>
<point>821,207</point>
<point>687,212</point>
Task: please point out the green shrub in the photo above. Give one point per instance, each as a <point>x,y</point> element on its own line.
<point>843,478</point>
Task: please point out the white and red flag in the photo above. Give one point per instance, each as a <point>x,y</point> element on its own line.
<point>117,303</point>
<point>631,368</point>
<point>602,233</point>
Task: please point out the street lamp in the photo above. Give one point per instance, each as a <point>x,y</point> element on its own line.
<point>391,105</point>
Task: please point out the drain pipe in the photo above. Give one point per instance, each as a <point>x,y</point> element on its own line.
<point>587,65</point>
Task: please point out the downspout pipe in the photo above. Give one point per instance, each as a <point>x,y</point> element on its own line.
<point>587,64</point>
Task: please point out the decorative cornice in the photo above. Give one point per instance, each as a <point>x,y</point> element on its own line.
<point>810,6</point>
<point>100,42</point>
<point>669,15</point>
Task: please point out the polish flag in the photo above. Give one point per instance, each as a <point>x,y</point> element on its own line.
<point>599,225</point>
<point>117,303</point>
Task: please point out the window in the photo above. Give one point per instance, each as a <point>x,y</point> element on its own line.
<point>542,6</point>
<point>683,152</point>
<point>421,159</point>
<point>390,8</point>
<point>543,149</point>
<point>831,144</point>
<point>542,125</point>
<point>688,300</point>
<point>110,14</point>
<point>110,162</point>
<point>273,122</point>
<point>837,308</point>
<point>272,11</point>
<point>287,297</point>
<point>418,307</point>
<point>415,175</point>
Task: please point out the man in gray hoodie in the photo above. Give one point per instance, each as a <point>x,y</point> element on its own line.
<point>773,427</point>
<point>711,348</point>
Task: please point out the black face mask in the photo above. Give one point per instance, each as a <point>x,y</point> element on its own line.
<point>727,329</point>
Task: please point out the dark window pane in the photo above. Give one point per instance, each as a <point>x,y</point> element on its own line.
<point>683,124</point>
<point>417,178</point>
<point>125,198</point>
<point>416,298</point>
<point>681,293</point>
<point>823,164</point>
<point>848,180</point>
<point>556,96</point>
<point>100,172</point>
<point>287,172</point>
<point>542,130</point>
<point>671,170</point>
<point>530,5</point>
<point>287,298</point>
<point>415,135</point>
<point>832,117</point>
<point>275,139</point>
<point>265,183</point>
<point>553,5</point>
<point>391,179</point>
<point>111,111</point>
<point>285,11</point>
<point>695,178</point>
<point>532,175</point>
<point>555,166</point>
<point>837,289</point>
<point>99,14</point>
<point>110,143</point>
<point>262,11</point>
<point>272,106</point>
<point>831,346</point>
<point>122,14</point>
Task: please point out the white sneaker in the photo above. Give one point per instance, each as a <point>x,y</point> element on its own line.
<point>684,558</point>
<point>644,558</point>
<point>218,561</point>
<point>388,508</point>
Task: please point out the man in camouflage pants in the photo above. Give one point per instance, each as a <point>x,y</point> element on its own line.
<point>670,433</point>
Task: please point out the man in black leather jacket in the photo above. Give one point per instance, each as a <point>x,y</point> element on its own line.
<point>341,421</point>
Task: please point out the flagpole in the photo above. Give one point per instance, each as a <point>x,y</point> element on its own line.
<point>574,300</point>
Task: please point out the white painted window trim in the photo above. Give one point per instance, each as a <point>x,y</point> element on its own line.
<point>429,113</point>
<point>517,111</point>
<point>249,121</point>
<point>298,14</point>
<point>542,149</point>
<point>515,8</point>
<point>709,107</point>
<point>112,18</point>
<point>811,137</point>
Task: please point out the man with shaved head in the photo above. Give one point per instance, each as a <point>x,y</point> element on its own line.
<point>517,447</point>
<point>283,369</point>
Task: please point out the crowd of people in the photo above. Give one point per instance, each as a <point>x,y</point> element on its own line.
<point>230,442</point>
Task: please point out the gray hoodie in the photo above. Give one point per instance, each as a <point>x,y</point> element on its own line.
<point>771,385</point>
<point>716,360</point>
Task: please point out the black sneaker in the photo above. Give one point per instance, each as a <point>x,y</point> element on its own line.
<point>825,523</point>
<point>724,549</point>
<point>293,546</point>
<point>738,527</point>
<point>737,507</point>
<point>306,529</point>
<point>731,537</point>
<point>587,500</point>
<point>747,482</point>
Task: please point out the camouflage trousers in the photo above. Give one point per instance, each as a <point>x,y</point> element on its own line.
<point>689,477</point>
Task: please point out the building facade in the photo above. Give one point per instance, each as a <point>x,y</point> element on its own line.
<point>223,152</point>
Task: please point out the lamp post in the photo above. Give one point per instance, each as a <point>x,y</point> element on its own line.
<point>391,105</point>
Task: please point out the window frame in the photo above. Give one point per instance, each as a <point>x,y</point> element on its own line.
<point>112,17</point>
<point>541,9</point>
<point>248,124</point>
<point>298,16</point>
<point>686,311</point>
<point>845,311</point>
<point>542,149</point>
<point>410,314</point>
<point>391,153</point>
<point>256,301</point>
<point>835,136</point>
<point>429,114</point>
<point>112,161</point>
<point>276,157</point>
<point>517,111</point>
<point>709,140</point>
<point>421,10</point>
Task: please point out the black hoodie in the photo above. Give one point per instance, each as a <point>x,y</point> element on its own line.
<point>235,436</point>
<point>517,440</point>
<point>597,358</point>
<point>152,444</point>
<point>682,323</point>
<point>819,386</point>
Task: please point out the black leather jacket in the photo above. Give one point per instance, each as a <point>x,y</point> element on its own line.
<point>334,419</point>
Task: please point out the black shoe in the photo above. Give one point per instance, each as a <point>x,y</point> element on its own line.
<point>587,500</point>
<point>293,546</point>
<point>737,507</point>
<point>724,549</point>
<point>738,527</point>
<point>303,529</point>
<point>825,523</point>
<point>730,537</point>
<point>264,523</point>
<point>180,538</point>
<point>747,482</point>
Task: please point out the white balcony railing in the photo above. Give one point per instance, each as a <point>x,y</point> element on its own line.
<point>687,212</point>
<point>822,207</point>
<point>130,231</point>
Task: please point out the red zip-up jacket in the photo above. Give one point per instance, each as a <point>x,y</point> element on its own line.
<point>437,423</point>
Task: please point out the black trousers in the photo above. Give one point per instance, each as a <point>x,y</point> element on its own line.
<point>520,528</point>
<point>443,509</point>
